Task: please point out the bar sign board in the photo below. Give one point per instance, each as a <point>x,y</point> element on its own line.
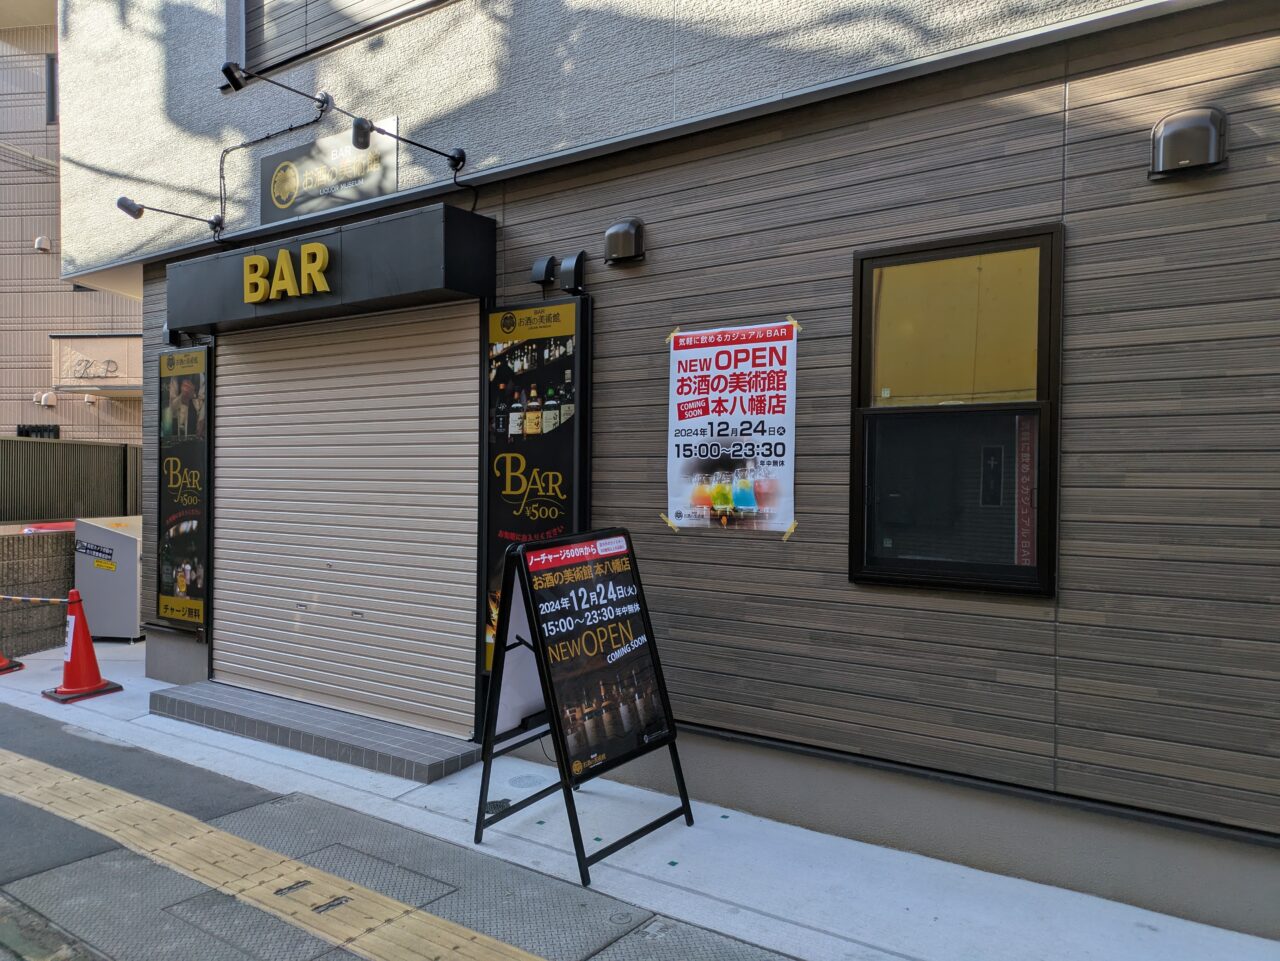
<point>327,173</point>
<point>610,703</point>
<point>604,701</point>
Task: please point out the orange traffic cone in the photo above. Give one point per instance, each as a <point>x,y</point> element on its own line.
<point>80,676</point>
<point>7,666</point>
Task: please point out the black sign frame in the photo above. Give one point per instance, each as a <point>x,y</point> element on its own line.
<point>517,581</point>
<point>205,505</point>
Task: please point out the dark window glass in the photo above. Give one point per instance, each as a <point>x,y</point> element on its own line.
<point>46,431</point>
<point>955,430</point>
<point>277,31</point>
<point>953,492</point>
<point>50,89</point>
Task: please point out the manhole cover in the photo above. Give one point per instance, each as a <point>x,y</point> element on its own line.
<point>527,780</point>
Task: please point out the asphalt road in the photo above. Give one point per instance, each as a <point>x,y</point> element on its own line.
<point>33,841</point>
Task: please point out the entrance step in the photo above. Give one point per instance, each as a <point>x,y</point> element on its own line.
<point>363,741</point>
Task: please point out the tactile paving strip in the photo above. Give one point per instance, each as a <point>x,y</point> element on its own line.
<point>258,935</point>
<point>548,917</point>
<point>378,875</point>
<point>369,924</point>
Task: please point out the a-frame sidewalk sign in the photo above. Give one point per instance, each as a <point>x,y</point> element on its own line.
<point>575,659</point>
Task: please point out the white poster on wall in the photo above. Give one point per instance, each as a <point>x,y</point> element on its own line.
<point>731,428</point>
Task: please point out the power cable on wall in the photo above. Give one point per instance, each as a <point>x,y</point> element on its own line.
<point>222,161</point>
<point>43,162</point>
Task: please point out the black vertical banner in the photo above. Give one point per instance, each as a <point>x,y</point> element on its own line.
<point>538,361</point>
<point>182,529</point>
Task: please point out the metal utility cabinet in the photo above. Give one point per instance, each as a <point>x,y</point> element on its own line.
<point>108,551</point>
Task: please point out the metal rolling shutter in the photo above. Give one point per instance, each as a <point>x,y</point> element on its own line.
<point>345,513</point>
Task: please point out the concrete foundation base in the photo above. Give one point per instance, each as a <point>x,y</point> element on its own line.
<point>1227,883</point>
<point>175,656</point>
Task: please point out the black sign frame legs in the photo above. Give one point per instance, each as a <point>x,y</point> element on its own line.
<point>684,793</point>
<point>585,860</point>
<point>488,748</point>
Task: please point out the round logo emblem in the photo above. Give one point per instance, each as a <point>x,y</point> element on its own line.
<point>169,361</point>
<point>577,767</point>
<point>508,323</point>
<point>284,185</point>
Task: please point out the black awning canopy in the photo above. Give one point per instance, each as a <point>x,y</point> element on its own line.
<point>429,255</point>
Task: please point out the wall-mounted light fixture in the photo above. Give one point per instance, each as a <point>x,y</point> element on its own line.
<point>136,210</point>
<point>362,129</point>
<point>624,241</point>
<point>544,271</point>
<point>572,270</point>
<point>1190,139</point>
<point>235,75</point>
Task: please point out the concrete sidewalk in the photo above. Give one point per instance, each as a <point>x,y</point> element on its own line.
<point>785,889</point>
<point>260,877</point>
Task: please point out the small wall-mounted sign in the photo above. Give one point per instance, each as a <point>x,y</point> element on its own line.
<point>327,173</point>
<point>96,362</point>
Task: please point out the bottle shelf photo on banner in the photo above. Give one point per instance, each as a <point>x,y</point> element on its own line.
<point>538,361</point>
<point>577,661</point>
<point>731,419</point>
<point>183,574</point>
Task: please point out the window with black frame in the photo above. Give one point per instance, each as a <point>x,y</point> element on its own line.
<point>279,31</point>
<point>955,431</point>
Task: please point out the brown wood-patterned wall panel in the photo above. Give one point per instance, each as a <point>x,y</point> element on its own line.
<point>1168,668</point>
<point>1151,680</point>
<point>753,223</point>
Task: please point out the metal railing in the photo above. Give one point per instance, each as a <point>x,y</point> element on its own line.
<point>50,480</point>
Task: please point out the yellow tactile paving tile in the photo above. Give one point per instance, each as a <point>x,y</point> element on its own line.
<point>324,905</point>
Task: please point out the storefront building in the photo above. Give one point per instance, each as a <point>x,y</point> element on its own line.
<point>1026,618</point>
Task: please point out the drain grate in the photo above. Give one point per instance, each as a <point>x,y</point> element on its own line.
<point>497,807</point>
<point>528,780</point>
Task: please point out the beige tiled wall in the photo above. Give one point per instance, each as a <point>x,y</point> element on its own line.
<point>33,301</point>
